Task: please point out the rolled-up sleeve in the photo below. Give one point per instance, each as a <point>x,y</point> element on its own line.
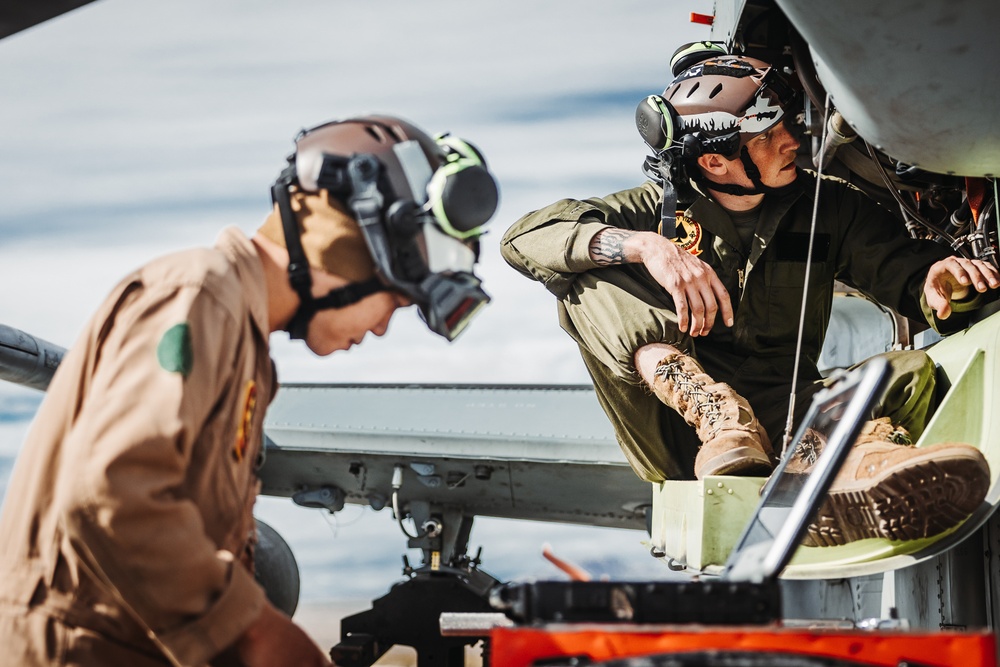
<point>552,245</point>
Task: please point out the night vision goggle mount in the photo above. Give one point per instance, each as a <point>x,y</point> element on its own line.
<point>425,252</point>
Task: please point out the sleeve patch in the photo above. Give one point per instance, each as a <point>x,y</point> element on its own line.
<point>174,352</point>
<point>246,421</point>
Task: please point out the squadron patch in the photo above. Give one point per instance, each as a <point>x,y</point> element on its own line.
<point>689,234</point>
<point>246,420</point>
<point>174,351</point>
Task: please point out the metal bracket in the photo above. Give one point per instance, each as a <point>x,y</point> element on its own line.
<point>328,497</point>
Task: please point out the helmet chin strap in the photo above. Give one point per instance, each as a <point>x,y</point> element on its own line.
<point>753,173</point>
<point>298,326</point>
<point>298,267</point>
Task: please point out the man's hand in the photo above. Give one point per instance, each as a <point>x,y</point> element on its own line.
<point>274,641</point>
<point>699,296</point>
<point>951,279</point>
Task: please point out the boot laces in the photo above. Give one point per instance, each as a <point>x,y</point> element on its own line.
<point>706,404</point>
<point>808,449</point>
<point>900,436</point>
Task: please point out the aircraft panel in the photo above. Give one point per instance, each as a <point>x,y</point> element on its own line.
<point>909,77</point>
<point>542,453</point>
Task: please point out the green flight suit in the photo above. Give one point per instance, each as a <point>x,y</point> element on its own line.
<point>613,311</point>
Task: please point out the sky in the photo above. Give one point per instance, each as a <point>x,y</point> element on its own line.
<point>132,128</point>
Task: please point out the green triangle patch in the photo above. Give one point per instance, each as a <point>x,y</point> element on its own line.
<point>174,351</point>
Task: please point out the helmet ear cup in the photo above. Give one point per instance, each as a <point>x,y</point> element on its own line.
<point>469,197</point>
<point>657,122</point>
<point>462,193</point>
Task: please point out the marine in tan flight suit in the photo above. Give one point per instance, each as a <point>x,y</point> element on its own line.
<point>127,534</point>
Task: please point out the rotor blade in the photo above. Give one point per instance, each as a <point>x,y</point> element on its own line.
<point>18,16</point>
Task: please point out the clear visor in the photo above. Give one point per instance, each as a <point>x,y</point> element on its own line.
<point>765,112</point>
<point>416,168</point>
<point>451,295</point>
<point>446,254</point>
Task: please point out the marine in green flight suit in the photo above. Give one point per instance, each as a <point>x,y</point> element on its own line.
<point>716,307</point>
<point>613,311</point>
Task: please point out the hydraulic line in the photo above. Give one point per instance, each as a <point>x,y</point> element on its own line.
<point>907,209</point>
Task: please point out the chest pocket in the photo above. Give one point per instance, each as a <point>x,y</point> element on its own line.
<point>790,253</point>
<point>792,275</point>
<point>784,279</point>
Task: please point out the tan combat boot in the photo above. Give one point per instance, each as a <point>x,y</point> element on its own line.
<point>890,489</point>
<point>732,440</point>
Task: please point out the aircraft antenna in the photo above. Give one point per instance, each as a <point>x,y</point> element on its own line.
<point>787,437</point>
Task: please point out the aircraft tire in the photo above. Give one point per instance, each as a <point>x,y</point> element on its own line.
<point>275,569</point>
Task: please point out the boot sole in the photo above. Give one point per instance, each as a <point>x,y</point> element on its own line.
<point>918,500</point>
<point>739,461</point>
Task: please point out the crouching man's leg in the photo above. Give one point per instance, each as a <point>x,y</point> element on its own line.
<point>888,488</point>
<point>625,328</point>
<point>732,440</point>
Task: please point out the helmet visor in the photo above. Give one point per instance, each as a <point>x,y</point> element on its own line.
<point>768,106</point>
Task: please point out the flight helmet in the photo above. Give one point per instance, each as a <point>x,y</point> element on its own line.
<point>725,101</point>
<point>420,202</point>
<point>716,103</point>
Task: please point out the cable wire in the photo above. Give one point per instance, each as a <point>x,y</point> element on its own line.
<point>787,438</point>
<point>397,484</point>
<point>906,208</point>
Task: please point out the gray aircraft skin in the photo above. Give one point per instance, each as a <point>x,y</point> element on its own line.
<point>910,119</point>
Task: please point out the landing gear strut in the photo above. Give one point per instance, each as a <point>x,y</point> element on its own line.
<point>447,581</point>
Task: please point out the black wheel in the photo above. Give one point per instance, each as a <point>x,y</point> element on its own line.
<point>275,569</point>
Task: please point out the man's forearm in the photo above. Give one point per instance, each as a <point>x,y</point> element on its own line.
<point>614,246</point>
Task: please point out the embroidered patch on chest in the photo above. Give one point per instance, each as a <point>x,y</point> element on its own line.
<point>246,420</point>
<point>689,234</point>
<point>174,351</point>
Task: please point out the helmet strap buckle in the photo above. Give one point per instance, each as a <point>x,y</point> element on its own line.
<point>668,201</point>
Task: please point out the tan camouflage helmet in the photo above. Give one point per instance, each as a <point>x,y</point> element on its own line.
<point>725,101</point>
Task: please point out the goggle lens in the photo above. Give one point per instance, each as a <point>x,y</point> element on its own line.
<point>452,302</point>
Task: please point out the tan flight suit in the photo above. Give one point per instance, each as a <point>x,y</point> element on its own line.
<point>130,505</point>
<point>613,311</point>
